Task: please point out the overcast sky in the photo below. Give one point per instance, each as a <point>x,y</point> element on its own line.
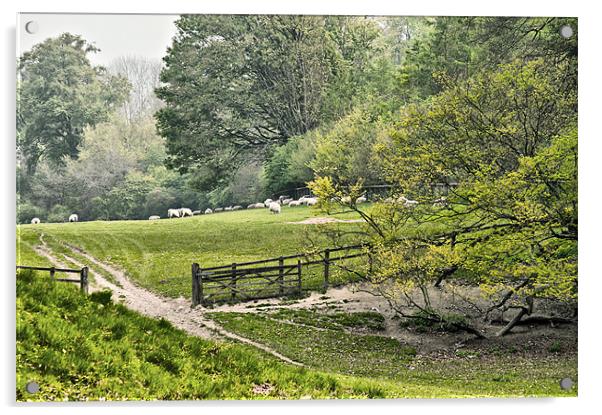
<point>116,35</point>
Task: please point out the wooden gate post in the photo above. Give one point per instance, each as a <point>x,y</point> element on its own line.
<point>52,272</point>
<point>281,276</point>
<point>299,288</point>
<point>326,267</point>
<point>83,280</point>
<point>196,285</point>
<point>233,282</point>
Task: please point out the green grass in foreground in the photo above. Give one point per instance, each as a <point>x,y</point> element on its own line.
<point>87,348</point>
<point>158,254</point>
<point>323,348</point>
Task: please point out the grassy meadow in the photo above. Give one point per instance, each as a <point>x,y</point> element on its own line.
<point>80,347</point>
<point>158,254</point>
<point>349,344</point>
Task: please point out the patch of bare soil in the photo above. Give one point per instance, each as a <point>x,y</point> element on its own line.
<point>323,220</point>
<point>527,340</point>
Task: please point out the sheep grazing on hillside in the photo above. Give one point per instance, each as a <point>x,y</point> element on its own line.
<point>441,202</point>
<point>267,202</point>
<point>218,210</point>
<point>311,201</point>
<point>275,207</point>
<point>237,207</point>
<point>173,213</point>
<point>286,201</point>
<point>154,217</point>
<point>407,202</point>
<point>73,218</point>
<point>282,198</point>
<point>208,211</point>
<point>196,212</point>
<point>35,221</point>
<point>294,203</point>
<point>228,209</point>
<point>185,212</point>
<point>361,199</point>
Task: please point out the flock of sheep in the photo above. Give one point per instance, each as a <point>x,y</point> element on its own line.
<point>274,206</point>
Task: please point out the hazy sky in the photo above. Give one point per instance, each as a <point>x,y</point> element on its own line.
<point>115,35</point>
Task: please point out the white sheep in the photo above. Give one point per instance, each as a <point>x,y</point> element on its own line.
<point>267,202</point>
<point>154,217</point>
<point>208,211</point>
<point>294,203</point>
<point>73,218</point>
<point>361,199</point>
<point>275,207</point>
<point>185,212</point>
<point>407,202</point>
<point>229,208</point>
<point>173,213</point>
<point>35,221</point>
<point>197,212</point>
<point>346,200</point>
<point>441,202</point>
<point>237,207</point>
<point>286,201</point>
<point>218,209</point>
<point>311,201</point>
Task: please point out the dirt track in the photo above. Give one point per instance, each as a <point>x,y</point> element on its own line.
<point>177,311</point>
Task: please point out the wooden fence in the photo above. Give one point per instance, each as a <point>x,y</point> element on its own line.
<point>82,280</point>
<point>265,278</point>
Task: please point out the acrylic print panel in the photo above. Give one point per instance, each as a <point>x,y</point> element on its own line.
<point>295,207</point>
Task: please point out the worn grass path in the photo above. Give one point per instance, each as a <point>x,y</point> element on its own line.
<point>177,311</point>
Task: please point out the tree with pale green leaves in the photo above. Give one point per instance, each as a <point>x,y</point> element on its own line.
<point>490,165</point>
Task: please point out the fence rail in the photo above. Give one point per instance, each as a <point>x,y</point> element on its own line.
<point>82,280</point>
<point>250,281</point>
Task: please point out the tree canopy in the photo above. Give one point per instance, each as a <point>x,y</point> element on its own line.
<point>59,94</point>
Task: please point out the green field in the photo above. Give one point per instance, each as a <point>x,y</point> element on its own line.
<point>82,348</point>
<point>87,348</point>
<point>321,342</point>
<point>158,254</point>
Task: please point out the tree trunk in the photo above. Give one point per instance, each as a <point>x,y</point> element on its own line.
<point>513,322</point>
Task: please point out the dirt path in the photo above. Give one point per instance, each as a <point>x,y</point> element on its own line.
<point>177,311</point>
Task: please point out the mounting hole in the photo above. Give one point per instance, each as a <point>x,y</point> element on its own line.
<point>566,383</point>
<point>31,27</point>
<point>566,31</point>
<point>32,387</point>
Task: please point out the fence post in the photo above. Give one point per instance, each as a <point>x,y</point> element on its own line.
<point>233,282</point>
<point>299,276</point>
<point>196,285</point>
<point>83,279</point>
<point>52,271</point>
<point>326,267</point>
<point>281,276</point>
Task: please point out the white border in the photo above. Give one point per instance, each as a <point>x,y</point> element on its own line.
<point>589,164</point>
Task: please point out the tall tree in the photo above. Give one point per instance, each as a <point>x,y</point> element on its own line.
<point>60,93</point>
<point>143,76</point>
<point>235,85</point>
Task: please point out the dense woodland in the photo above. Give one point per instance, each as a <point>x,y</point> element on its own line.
<point>247,107</point>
